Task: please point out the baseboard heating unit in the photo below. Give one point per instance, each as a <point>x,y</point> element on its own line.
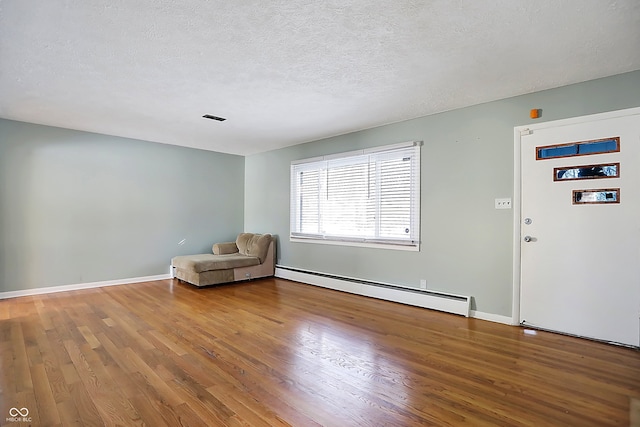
<point>450,303</point>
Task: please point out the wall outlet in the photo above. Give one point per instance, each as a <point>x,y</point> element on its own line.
<point>503,203</point>
<point>423,283</point>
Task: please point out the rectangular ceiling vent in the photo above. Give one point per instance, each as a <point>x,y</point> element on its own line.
<point>209,116</point>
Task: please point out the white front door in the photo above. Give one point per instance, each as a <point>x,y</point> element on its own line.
<point>580,260</point>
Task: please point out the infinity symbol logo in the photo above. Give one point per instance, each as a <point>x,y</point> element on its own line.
<point>14,412</point>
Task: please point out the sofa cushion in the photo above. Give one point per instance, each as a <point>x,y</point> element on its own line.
<point>225,248</point>
<point>255,245</point>
<point>209,262</point>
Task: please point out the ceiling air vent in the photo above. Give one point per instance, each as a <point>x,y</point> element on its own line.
<point>209,116</point>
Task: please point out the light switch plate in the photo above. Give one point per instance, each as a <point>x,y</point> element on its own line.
<point>503,203</point>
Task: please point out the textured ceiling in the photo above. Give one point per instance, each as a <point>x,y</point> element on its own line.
<point>285,72</point>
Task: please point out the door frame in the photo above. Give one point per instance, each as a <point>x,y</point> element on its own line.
<point>518,133</point>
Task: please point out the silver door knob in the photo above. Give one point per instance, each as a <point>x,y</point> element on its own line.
<point>527,239</point>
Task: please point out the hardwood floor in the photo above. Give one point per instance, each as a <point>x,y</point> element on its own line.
<point>276,353</point>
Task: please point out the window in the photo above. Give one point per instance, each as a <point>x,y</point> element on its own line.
<point>611,195</point>
<point>368,197</point>
<point>609,170</point>
<point>582,148</point>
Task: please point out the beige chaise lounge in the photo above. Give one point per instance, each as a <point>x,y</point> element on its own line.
<point>249,257</point>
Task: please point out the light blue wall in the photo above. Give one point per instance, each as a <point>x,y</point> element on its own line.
<point>467,162</point>
<point>77,207</point>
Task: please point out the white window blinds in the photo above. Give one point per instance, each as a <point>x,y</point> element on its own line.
<point>370,196</point>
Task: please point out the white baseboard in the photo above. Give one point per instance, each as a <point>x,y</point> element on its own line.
<point>456,304</point>
<point>491,317</point>
<point>79,286</point>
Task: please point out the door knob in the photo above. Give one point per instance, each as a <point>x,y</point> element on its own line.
<point>527,239</point>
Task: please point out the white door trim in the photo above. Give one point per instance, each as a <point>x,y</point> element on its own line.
<point>518,132</point>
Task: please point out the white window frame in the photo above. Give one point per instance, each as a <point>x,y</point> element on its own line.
<point>411,243</point>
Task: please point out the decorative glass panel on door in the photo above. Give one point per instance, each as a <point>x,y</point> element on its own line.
<point>581,148</point>
<point>596,196</point>
<point>569,173</point>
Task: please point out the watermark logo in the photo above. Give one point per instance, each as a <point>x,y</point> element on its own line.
<point>20,415</point>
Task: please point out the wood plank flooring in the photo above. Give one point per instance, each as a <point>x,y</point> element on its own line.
<point>278,353</point>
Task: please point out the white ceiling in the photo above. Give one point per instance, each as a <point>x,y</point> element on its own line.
<point>285,72</point>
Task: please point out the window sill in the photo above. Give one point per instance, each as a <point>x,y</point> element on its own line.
<point>408,248</point>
